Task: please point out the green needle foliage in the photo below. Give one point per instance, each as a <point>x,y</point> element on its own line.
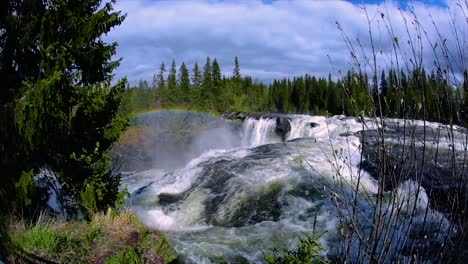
<point>58,107</point>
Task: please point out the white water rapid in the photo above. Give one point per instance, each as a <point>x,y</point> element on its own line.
<point>234,200</point>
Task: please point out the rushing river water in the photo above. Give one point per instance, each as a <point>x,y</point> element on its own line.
<point>239,189</point>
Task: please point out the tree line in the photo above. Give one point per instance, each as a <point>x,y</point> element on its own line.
<point>391,93</point>
<point>202,88</point>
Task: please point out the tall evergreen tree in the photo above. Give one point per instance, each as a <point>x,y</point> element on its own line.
<point>216,80</point>
<point>383,85</point>
<point>236,73</point>
<point>207,92</point>
<point>384,93</point>
<point>160,82</point>
<point>196,76</point>
<point>216,77</point>
<point>375,86</point>
<point>172,78</point>
<point>184,83</point>
<point>393,94</point>
<point>237,78</point>
<point>57,78</point>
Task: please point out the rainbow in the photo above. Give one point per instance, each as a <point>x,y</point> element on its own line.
<point>176,109</point>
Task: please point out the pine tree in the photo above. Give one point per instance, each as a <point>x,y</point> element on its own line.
<point>314,95</point>
<point>284,97</point>
<point>334,98</point>
<point>216,80</point>
<point>393,94</point>
<point>237,78</point>
<point>184,83</point>
<point>375,86</point>
<point>160,82</point>
<point>383,85</point>
<point>384,93</point>
<point>216,77</point>
<point>67,112</point>
<point>20,60</point>
<point>207,92</point>
<point>143,85</point>
<point>172,78</point>
<point>196,76</point>
<point>236,72</point>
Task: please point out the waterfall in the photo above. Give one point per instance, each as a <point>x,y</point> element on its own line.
<point>233,200</point>
<point>259,132</point>
<point>264,130</point>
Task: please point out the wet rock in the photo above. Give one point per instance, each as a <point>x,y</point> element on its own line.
<point>406,158</point>
<point>312,124</point>
<point>167,198</point>
<point>235,115</point>
<point>283,126</point>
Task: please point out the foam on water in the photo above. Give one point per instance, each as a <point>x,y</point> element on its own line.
<point>226,205</point>
<point>259,132</point>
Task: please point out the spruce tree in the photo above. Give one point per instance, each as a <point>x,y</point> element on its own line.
<point>216,80</point>
<point>57,71</point>
<point>172,78</point>
<point>216,74</point>
<point>236,72</point>
<point>383,85</point>
<point>237,78</point>
<point>384,93</point>
<point>184,83</point>
<point>160,82</point>
<point>196,76</point>
<point>207,92</point>
<point>20,61</point>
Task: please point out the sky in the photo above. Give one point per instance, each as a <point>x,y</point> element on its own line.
<point>277,38</point>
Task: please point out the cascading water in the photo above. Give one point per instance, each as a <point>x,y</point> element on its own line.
<point>228,204</point>
<point>263,130</point>
<point>259,132</point>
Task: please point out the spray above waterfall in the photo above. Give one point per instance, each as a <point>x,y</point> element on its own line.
<point>258,183</point>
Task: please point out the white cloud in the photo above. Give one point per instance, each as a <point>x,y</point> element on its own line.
<point>285,38</point>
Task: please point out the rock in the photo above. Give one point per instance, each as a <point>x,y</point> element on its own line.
<point>430,166</point>
<point>235,115</point>
<point>283,126</point>
<point>312,124</point>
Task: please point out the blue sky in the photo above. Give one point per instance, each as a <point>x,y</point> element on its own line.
<point>273,39</point>
<point>402,3</point>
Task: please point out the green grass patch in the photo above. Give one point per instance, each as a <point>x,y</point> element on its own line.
<point>106,238</point>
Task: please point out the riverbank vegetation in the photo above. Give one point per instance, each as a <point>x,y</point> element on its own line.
<point>106,238</point>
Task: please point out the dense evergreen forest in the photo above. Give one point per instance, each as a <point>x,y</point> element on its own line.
<point>393,93</point>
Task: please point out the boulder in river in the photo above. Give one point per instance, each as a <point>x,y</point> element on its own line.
<point>283,126</point>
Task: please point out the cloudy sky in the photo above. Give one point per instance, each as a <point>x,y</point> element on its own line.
<point>272,38</point>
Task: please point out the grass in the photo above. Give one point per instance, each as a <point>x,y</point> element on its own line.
<point>106,238</point>
<point>309,251</point>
